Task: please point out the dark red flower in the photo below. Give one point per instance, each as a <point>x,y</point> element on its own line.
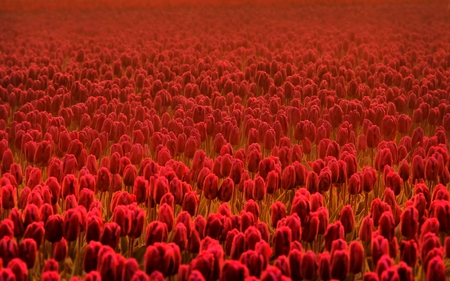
<point>107,264</point>
<point>90,259</point>
<point>110,234</point>
<point>122,217</point>
<point>156,232</point>
<point>60,250</point>
<point>373,136</point>
<point>28,252</point>
<point>103,179</point>
<point>19,269</point>
<point>334,231</point>
<point>356,257</point>
<point>72,224</point>
<point>94,225</point>
<point>386,225</point>
<point>281,241</point>
<point>8,250</point>
<point>436,270</point>
<point>8,198</point>
<point>271,273</point>
<point>347,218</point>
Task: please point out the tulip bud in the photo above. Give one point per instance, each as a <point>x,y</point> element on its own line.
<point>339,264</point>
<point>436,270</point>
<point>7,160</point>
<point>60,250</point>
<point>281,241</point>
<point>129,175</point>
<point>122,217</point>
<point>137,221</point>
<point>334,231</point>
<point>8,250</point>
<point>72,225</point>
<point>373,136</point>
<point>356,259</point>
<point>92,165</point>
<point>236,171</point>
<point>35,231</point>
<point>253,159</point>
<point>409,222</point>
<point>347,218</point>
<point>90,259</point>
<point>380,247</point>
<point>156,232</point>
<point>94,225</point>
<point>190,203</point>
<point>51,265</point>
<point>249,186</point>
<point>301,206</point>
<point>309,266</point>
<point>288,179</point>
<point>34,178</point>
<point>404,272</point>
<point>130,267</point>
<point>165,215</point>
<point>324,266</point>
<point>278,212</point>
<point>91,276</point>
<point>440,210</point>
<point>28,252</point>
<point>70,202</point>
<point>384,264</point>
<point>7,228</point>
<point>210,186</point>
<point>408,252</point>
<point>103,179</point>
<point>54,228</point>
<point>110,234</point>
<point>226,190</point>
<point>213,226</point>
<point>7,196</point>
<point>282,264</point>
<point>107,265</point>
<point>271,273</point>
<point>272,182</point>
<point>368,179</point>
<point>387,226</point>
<point>86,198</point>
<point>253,261</point>
<point>161,187</point>
<point>19,269</point>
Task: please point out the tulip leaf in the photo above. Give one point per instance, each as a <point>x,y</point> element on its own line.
<point>139,252</point>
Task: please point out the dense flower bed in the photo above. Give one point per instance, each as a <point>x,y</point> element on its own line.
<point>244,143</point>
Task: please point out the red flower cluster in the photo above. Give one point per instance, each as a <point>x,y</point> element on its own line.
<point>313,144</point>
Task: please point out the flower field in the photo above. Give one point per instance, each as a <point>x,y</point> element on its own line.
<point>239,141</point>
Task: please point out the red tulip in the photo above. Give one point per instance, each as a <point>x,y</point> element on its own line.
<point>156,232</point>
<point>8,250</point>
<point>72,225</point>
<point>19,269</point>
<point>356,257</point>
<point>60,250</point>
<point>7,196</point>
<point>110,234</point>
<point>334,231</point>
<point>373,135</point>
<point>253,262</point>
<point>436,270</point>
